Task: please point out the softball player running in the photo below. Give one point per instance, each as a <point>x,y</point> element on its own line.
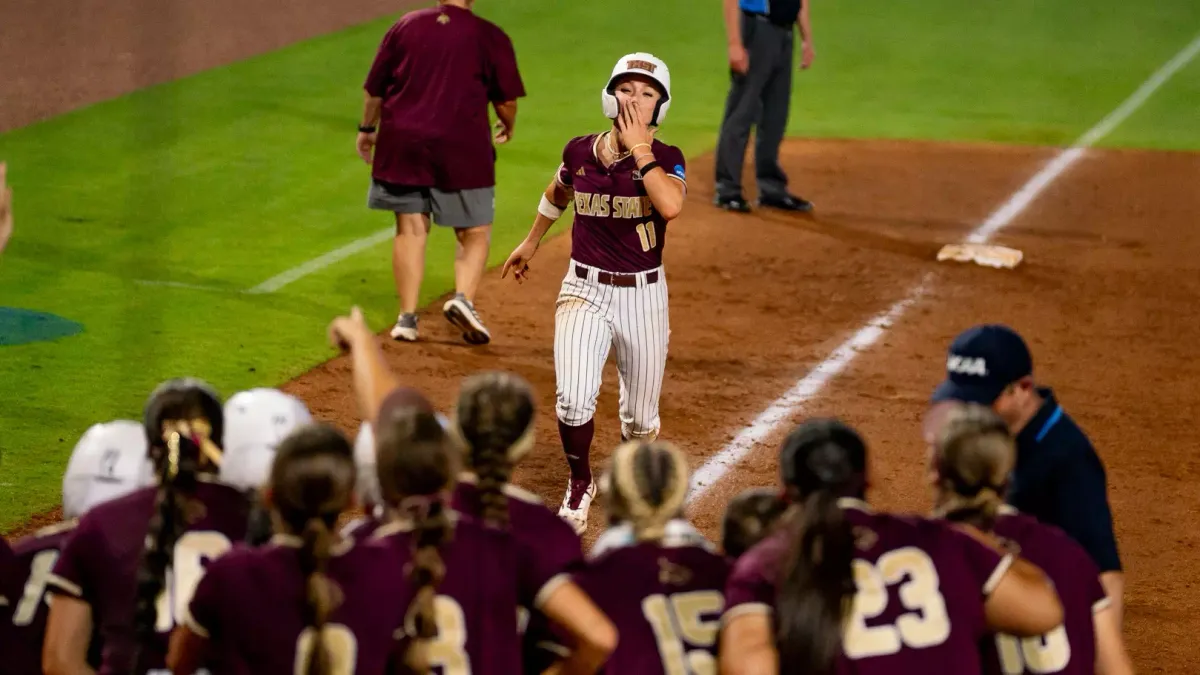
<point>626,187</point>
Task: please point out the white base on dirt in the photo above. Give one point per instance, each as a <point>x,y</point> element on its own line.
<point>982,254</point>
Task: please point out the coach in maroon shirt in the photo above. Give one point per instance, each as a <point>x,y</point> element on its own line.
<point>426,121</point>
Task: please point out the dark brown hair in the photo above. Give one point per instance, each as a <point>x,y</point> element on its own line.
<point>183,421</point>
<point>417,464</point>
<point>749,518</point>
<point>312,483</point>
<point>821,461</point>
<point>973,454</point>
<point>647,485</point>
<point>495,417</point>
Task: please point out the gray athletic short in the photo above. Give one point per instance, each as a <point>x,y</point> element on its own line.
<point>457,209</point>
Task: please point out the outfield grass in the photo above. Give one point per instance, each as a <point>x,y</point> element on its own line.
<point>232,176</point>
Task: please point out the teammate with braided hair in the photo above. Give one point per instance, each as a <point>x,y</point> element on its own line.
<point>132,564</point>
<point>972,454</point>
<point>495,417</point>
<point>309,601</point>
<point>462,615</point>
<point>417,462</point>
<point>816,595</point>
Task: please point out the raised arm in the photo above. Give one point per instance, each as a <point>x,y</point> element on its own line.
<point>373,379</point>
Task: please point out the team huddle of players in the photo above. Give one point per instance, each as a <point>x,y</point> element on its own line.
<point>202,544</point>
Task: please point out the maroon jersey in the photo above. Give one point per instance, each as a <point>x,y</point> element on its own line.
<point>665,599</point>
<point>1070,648</point>
<point>249,605</point>
<point>10,595</point>
<point>436,71</point>
<point>100,560</point>
<point>549,541</point>
<point>921,587</point>
<point>477,600</point>
<point>616,227</point>
<point>35,556</point>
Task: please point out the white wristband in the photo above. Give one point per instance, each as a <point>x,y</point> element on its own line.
<point>548,209</point>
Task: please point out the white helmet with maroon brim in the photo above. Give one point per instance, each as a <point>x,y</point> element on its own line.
<point>639,63</point>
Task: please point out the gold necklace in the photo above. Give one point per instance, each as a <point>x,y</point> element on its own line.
<point>612,150</point>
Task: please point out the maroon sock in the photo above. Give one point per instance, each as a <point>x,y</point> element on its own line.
<point>577,443</point>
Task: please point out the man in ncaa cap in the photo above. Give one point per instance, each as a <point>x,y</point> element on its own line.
<point>1058,477</point>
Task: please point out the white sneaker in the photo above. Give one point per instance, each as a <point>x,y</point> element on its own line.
<point>461,313</point>
<point>576,503</point>
<point>405,328</point>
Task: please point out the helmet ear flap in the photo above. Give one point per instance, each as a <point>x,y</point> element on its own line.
<point>608,101</point>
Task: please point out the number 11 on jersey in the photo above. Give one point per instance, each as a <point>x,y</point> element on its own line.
<point>648,235</point>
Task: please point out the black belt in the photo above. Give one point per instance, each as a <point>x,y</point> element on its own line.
<point>768,19</point>
<point>612,279</point>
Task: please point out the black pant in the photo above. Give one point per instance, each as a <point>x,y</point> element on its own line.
<point>760,98</point>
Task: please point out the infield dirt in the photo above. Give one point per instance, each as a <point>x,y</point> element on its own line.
<point>1106,298</point>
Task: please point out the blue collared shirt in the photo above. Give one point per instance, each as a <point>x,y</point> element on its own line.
<point>1060,480</point>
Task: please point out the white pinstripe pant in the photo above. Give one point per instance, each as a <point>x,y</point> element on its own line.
<point>591,318</point>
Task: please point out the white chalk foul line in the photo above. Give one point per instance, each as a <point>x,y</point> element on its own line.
<point>317,264</point>
<point>783,409</point>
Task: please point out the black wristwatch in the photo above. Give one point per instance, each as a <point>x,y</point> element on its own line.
<point>366,128</point>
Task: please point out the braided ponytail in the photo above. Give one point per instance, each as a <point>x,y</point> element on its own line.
<point>495,418</point>
<point>312,483</point>
<point>320,594</point>
<point>176,465</point>
<point>973,456</point>
<point>432,528</point>
<point>417,462</point>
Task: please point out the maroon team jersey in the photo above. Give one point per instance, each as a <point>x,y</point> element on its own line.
<point>549,539</point>
<point>665,599</point>
<point>616,228</point>
<point>35,556</point>
<point>921,587</point>
<point>477,599</point>
<point>436,71</point>
<point>1070,648</point>
<point>249,606</point>
<point>100,560</point>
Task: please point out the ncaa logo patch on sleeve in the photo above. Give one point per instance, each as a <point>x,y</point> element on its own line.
<point>679,171</point>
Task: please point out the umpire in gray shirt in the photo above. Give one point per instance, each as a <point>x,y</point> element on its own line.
<point>761,39</point>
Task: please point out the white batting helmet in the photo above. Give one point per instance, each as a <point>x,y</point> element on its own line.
<point>640,63</point>
<point>109,461</point>
<point>256,421</point>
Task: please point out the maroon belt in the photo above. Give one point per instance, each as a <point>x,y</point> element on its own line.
<point>621,280</point>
